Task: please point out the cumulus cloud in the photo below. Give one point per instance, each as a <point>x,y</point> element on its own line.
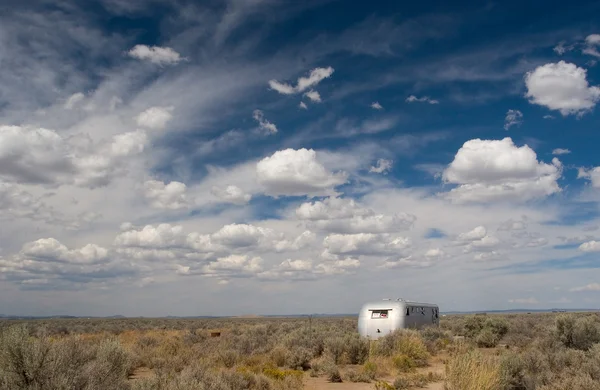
<point>231,194</point>
<point>313,95</point>
<point>315,77</point>
<point>48,264</point>
<point>367,244</point>
<point>73,100</point>
<point>170,196</point>
<point>560,151</point>
<point>331,208</point>
<point>513,118</point>
<point>42,156</point>
<point>155,118</point>
<point>163,235</point>
<point>376,106</point>
<point>592,175</point>
<point>561,86</point>
<point>383,166</point>
<point>476,234</point>
<point>297,172</point>
<point>34,155</point>
<point>488,170</point>
<point>266,126</point>
<point>588,287</point>
<point>234,266</point>
<point>590,246</point>
<point>340,215</point>
<point>155,54</point>
<point>290,270</point>
<point>337,267</point>
<point>302,105</point>
<point>424,99</point>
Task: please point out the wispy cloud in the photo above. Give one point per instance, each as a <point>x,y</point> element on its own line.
<point>424,99</point>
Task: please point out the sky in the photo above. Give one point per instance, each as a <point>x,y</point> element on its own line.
<point>162,157</point>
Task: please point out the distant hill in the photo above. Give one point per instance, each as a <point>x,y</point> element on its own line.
<point>316,315</point>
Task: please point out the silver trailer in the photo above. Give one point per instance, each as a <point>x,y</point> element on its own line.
<point>376,319</point>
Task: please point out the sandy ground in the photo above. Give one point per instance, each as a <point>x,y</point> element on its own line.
<point>323,384</point>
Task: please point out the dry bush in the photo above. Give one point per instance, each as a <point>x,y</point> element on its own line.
<point>37,363</point>
<point>577,332</point>
<point>470,370</point>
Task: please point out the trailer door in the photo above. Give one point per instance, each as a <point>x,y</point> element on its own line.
<point>380,323</point>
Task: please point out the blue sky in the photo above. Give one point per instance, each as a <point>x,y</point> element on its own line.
<point>163,157</point>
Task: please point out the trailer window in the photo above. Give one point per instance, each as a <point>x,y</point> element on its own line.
<point>407,311</point>
<point>379,314</point>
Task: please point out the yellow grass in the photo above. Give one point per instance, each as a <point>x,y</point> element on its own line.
<point>471,370</point>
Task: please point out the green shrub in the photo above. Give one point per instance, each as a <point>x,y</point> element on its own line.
<point>357,349</point>
<point>404,363</point>
<point>577,332</point>
<point>335,347</point>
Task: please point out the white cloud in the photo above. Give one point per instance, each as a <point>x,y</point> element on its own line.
<point>340,215</point>
<point>155,54</point>
<point>588,287</point>
<point>424,99</point>
<point>48,264</point>
<point>408,261</point>
<point>290,270</point>
<point>561,49</point>
<point>52,249</point>
<point>560,151</point>
<point>527,301</point>
<point>476,234</point>
<point>155,118</point>
<point>512,225</point>
<point>232,194</point>
<point>265,125</point>
<point>170,196</point>
<point>282,88</point>
<point>313,95</point>
<point>316,76</point>
<point>42,156</point>
<point>297,172</point>
<point>73,100</point>
<point>302,105</point>
<point>593,39</point>
<point>34,155</point>
<point>331,208</point>
<point>337,267</point>
<point>591,174</point>
<point>513,118</point>
<point>434,253</point>
<point>561,86</point>
<point>590,246</point>
<point>383,166</point>
<point>163,235</point>
<point>368,244</point>
<point>487,170</point>
<point>234,266</point>
<point>127,144</point>
<point>592,42</point>
<point>376,106</point>
<point>483,256</point>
